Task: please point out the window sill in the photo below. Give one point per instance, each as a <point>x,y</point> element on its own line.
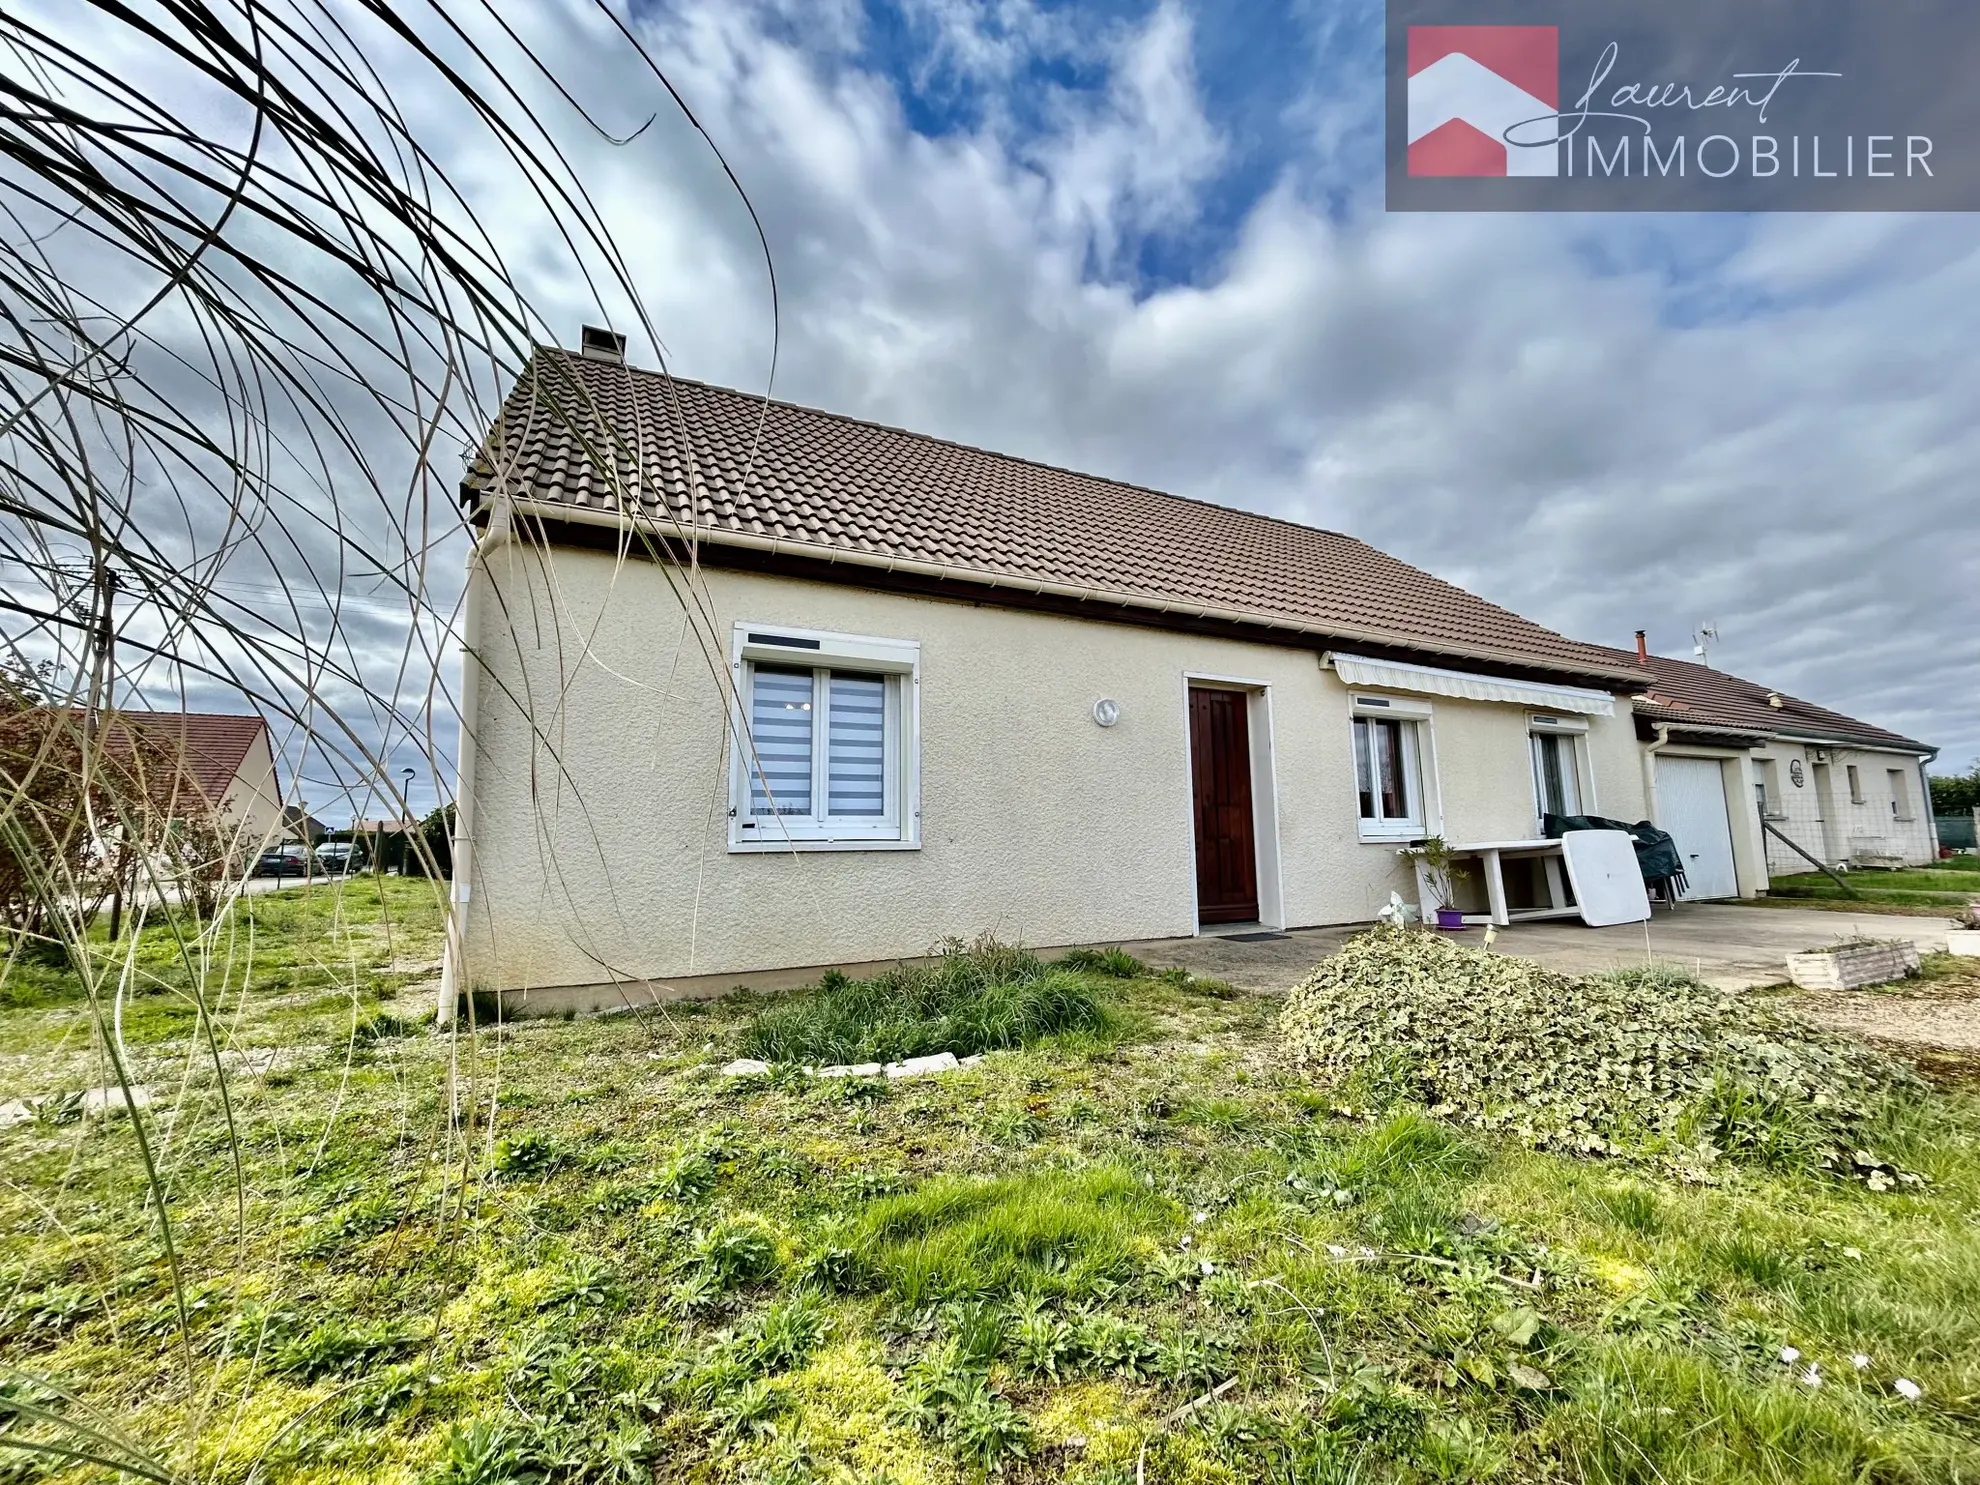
<point>1775,815</point>
<point>785,847</point>
<point>1400,835</point>
<point>1904,819</point>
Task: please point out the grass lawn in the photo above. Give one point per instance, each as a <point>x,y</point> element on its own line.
<point>1938,891</point>
<point>616,1265</point>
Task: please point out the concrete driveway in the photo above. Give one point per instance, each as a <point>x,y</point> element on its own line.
<point>1735,948</point>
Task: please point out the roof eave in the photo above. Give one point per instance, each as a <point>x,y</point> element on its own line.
<point>670,530</point>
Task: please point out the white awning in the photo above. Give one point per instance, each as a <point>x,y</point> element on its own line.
<point>1396,675</point>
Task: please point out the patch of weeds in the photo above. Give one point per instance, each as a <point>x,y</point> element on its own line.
<point>1114,1346</point>
<point>587,1284</point>
<point>1406,1145</point>
<point>1751,1257</point>
<point>784,1335</point>
<point>974,998</point>
<point>383,1026</point>
<point>1117,962</point>
<point>563,1380</point>
<point>615,1198</point>
<point>1053,1232</point>
<point>734,1253</point>
<point>690,1176</point>
<point>1773,1127</point>
<point>1629,1205</point>
<point>486,1451</point>
<point>865,1185</point>
<point>749,1411</point>
<point>334,1349</point>
<point>1220,1115</point>
<point>952,1401</point>
<point>1187,1359</point>
<point>527,1157</point>
<point>1040,1342</point>
<point>394,1391</point>
<point>1458,1449</point>
<point>831,1268</point>
<point>1636,1417</point>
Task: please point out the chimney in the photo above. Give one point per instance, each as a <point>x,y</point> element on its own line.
<point>600,344</point>
<point>1643,645</point>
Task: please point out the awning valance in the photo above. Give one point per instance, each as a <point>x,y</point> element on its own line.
<point>1397,675</point>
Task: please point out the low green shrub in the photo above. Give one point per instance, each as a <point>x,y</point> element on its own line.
<point>1117,962</point>
<point>1590,1064</point>
<point>971,999</point>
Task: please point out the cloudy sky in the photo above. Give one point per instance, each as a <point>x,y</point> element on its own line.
<point>1148,240</point>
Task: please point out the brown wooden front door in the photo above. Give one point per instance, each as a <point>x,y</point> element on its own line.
<point>1220,767</point>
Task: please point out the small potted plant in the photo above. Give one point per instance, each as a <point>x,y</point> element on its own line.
<point>1438,867</point>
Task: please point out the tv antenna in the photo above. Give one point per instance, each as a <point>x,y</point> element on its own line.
<point>1703,639</point>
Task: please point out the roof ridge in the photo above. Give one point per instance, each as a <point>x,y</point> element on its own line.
<point>1695,673</point>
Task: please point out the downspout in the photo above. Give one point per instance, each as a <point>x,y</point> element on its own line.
<point>453,967</point>
<point>1931,816</point>
<point>1663,731</point>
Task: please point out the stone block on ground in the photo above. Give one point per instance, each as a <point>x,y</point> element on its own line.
<point>745,1067</point>
<point>914,1067</point>
<point>113,1100</point>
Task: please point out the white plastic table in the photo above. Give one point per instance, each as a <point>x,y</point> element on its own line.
<point>1491,856</point>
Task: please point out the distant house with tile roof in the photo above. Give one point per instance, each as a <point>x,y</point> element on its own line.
<point>759,687</point>
<point>1801,783</point>
<point>227,764</point>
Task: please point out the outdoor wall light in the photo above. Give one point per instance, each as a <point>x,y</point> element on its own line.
<point>1106,711</point>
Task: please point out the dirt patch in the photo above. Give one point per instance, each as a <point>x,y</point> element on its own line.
<point>1934,1021</point>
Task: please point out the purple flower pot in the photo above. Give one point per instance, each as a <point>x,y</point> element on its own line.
<point>1450,918</point>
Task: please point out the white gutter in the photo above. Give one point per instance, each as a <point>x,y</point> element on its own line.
<point>552,510</point>
<point>1922,754</point>
<point>453,964</point>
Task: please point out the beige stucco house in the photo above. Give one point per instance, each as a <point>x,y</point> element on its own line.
<point>757,687</point>
<point>754,687</point>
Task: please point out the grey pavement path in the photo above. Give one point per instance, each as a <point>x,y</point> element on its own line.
<point>1735,948</point>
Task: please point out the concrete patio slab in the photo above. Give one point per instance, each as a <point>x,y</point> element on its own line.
<point>1735,948</point>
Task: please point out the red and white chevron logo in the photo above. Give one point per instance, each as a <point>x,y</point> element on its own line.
<point>1468,85</point>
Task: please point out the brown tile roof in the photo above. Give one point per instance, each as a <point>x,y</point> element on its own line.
<point>211,745</point>
<point>814,483</point>
<point>1698,696</point>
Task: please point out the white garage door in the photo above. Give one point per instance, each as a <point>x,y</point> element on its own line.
<point>1691,804</point>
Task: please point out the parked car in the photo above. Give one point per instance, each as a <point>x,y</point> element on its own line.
<point>283,861</point>
<point>339,857</point>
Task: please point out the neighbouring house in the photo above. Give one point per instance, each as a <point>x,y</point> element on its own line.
<point>1755,783</point>
<point>227,763</point>
<point>759,687</point>
<point>299,824</point>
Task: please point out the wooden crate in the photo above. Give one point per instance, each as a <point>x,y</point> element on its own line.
<point>1852,966</point>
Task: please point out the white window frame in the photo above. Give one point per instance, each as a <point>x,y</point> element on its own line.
<point>1571,731</point>
<point>785,647</point>
<point>1419,767</point>
<point>1900,797</point>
